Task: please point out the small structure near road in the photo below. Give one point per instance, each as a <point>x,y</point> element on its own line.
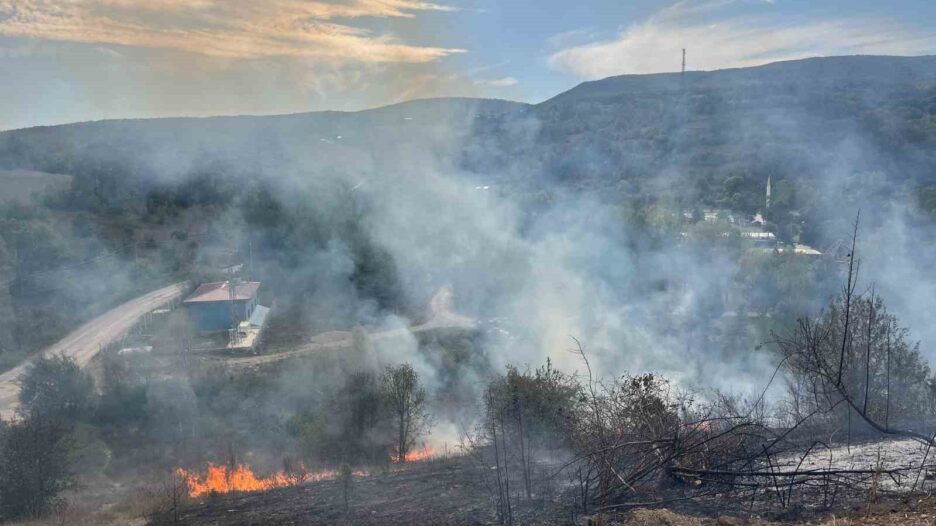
<point>222,305</point>
<point>228,306</point>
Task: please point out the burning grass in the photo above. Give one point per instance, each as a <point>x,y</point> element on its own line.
<point>416,455</point>
<point>220,479</point>
<point>225,479</point>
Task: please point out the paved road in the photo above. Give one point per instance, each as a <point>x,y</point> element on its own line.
<point>86,341</point>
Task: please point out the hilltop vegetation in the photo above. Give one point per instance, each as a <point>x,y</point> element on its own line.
<point>709,139</point>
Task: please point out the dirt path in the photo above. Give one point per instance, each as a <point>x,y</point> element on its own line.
<point>346,340</point>
<point>442,315</point>
<point>87,340</point>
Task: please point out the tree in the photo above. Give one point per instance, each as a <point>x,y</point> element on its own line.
<point>406,399</point>
<point>877,370</point>
<point>352,427</point>
<point>527,411</point>
<point>56,389</point>
<point>854,358</point>
<point>347,480</point>
<point>34,465</point>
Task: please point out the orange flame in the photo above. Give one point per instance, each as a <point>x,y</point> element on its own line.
<point>416,455</point>
<point>223,479</point>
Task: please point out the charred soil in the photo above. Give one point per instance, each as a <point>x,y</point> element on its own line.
<point>433,492</point>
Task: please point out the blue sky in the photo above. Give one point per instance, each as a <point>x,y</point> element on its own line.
<point>93,59</point>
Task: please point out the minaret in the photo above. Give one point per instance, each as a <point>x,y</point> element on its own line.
<point>682,75</point>
<point>768,192</point>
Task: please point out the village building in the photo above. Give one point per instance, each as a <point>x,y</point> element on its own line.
<point>224,305</point>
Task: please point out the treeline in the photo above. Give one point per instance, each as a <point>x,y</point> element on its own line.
<point>369,421</point>
<point>850,373</point>
<point>67,427</point>
<point>58,268</point>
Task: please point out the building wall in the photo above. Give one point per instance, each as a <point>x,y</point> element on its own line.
<point>216,315</point>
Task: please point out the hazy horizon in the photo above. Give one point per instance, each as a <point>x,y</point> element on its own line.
<point>92,60</point>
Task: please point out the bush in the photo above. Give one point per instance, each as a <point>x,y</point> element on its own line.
<point>35,458</point>
<point>56,389</point>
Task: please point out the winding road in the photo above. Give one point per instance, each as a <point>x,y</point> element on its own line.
<point>86,341</point>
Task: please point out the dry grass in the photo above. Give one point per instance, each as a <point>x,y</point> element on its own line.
<point>75,514</point>
<point>100,502</point>
<point>921,512</point>
<point>661,517</point>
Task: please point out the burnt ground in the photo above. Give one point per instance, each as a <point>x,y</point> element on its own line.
<point>439,492</point>
<point>451,492</point>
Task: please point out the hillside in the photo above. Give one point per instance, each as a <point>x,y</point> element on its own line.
<point>720,134</point>
<point>855,70</point>
<point>168,199</point>
<point>22,184</point>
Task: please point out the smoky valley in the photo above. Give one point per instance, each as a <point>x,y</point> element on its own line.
<point>688,298</point>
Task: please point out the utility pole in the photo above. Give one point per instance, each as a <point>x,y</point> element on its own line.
<point>232,294</point>
<point>684,62</point>
<point>249,259</point>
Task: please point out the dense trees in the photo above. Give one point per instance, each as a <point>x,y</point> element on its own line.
<point>55,388</point>
<point>302,247</point>
<point>35,456</point>
<point>58,268</point>
<point>526,415</point>
<point>856,352</point>
<point>353,427</point>
<point>65,257</point>
<point>368,419</point>
<point>37,448</point>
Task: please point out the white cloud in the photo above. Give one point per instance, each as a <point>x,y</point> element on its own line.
<point>240,29</point>
<point>714,42</point>
<point>502,82</point>
<point>572,37</point>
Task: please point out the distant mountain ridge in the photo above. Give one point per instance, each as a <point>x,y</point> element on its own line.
<point>720,134</point>
<point>819,70</point>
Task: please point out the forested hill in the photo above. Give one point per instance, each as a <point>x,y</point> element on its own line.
<point>159,199</point>
<point>717,134</point>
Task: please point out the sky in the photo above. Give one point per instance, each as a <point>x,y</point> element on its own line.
<point>77,60</point>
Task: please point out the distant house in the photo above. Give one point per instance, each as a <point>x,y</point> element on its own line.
<point>805,250</point>
<point>758,236</point>
<point>216,307</point>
